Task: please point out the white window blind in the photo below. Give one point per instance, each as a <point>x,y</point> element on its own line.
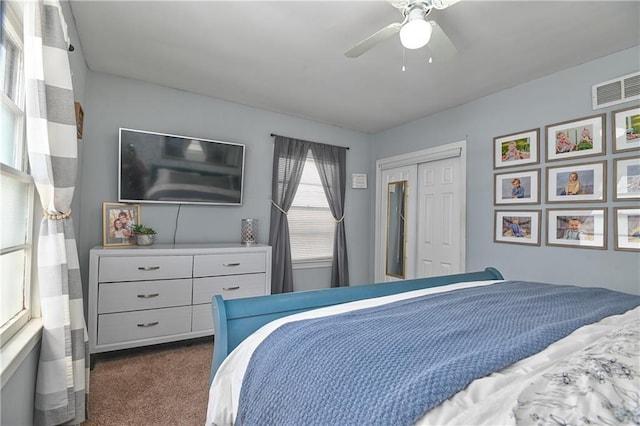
<point>311,225</point>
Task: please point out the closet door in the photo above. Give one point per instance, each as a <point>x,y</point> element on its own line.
<point>434,216</point>
<point>440,218</point>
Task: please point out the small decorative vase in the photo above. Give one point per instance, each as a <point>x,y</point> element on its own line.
<point>144,239</point>
<point>249,231</point>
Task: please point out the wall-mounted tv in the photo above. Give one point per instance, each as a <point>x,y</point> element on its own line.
<point>163,168</point>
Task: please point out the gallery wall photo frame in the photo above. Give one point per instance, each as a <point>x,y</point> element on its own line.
<point>517,227</point>
<point>517,187</point>
<point>626,172</point>
<point>578,228</point>
<point>626,228</point>
<point>583,182</point>
<point>626,129</point>
<point>516,149</point>
<point>118,220</point>
<point>79,119</point>
<point>582,137</point>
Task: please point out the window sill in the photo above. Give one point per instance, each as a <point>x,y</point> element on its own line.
<point>16,350</point>
<point>312,264</point>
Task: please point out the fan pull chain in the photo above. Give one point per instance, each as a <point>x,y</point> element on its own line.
<point>403,52</point>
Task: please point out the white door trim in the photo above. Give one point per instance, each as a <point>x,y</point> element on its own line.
<point>455,149</point>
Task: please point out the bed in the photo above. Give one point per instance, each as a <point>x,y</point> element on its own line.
<point>461,349</point>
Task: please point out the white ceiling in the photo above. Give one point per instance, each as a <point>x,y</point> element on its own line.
<point>288,56</point>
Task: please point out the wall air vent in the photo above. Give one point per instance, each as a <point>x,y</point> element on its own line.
<point>617,91</point>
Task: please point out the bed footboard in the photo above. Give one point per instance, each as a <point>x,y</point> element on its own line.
<point>234,320</point>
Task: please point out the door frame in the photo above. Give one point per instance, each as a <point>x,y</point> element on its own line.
<point>455,149</point>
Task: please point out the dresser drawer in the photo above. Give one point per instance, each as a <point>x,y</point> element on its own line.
<point>228,264</point>
<point>202,317</point>
<point>139,295</point>
<point>138,268</point>
<point>138,325</point>
<point>229,287</point>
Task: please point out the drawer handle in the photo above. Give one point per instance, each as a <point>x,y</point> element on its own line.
<point>149,324</point>
<point>148,296</point>
<point>148,268</point>
<point>230,288</point>
<point>231,264</point>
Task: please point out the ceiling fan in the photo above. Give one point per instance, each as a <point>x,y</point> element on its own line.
<point>415,31</point>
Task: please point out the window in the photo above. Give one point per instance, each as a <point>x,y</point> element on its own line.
<point>311,225</point>
<point>17,194</point>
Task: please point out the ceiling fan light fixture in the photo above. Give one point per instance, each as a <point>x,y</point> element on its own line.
<point>416,33</point>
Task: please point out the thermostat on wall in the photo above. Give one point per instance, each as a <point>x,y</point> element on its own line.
<point>359,180</point>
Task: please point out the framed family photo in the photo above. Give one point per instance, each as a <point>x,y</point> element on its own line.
<point>522,187</point>
<point>580,228</point>
<point>79,119</point>
<point>576,138</point>
<point>577,183</point>
<point>517,227</point>
<point>118,220</point>
<point>627,228</point>
<point>516,149</point>
<point>626,129</point>
<point>626,171</point>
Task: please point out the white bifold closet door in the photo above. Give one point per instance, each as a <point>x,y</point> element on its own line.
<point>434,213</point>
<point>438,218</point>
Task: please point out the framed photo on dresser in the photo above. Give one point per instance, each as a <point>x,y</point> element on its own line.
<point>118,220</point>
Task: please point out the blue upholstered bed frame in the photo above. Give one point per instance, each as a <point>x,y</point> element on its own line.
<point>234,320</point>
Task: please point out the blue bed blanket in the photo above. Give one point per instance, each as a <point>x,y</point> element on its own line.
<point>389,365</point>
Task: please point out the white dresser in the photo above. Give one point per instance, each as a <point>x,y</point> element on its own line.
<point>162,293</point>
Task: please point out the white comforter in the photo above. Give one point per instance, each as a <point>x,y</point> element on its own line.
<point>491,400</point>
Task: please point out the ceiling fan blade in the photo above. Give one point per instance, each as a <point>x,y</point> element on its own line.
<point>373,39</point>
<point>400,4</point>
<point>440,46</point>
<point>437,4</point>
<point>443,4</point>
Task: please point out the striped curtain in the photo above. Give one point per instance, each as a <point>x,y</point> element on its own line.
<point>63,370</point>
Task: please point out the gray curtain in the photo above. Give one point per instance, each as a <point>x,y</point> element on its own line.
<point>331,163</point>
<point>289,156</point>
<point>63,370</point>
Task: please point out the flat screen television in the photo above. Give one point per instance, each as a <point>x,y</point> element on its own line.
<point>163,168</point>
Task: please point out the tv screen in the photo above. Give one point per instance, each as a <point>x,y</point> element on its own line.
<point>163,168</point>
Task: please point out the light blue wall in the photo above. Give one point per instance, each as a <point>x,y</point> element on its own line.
<point>79,73</point>
<point>559,97</point>
<point>113,102</point>
<point>18,394</point>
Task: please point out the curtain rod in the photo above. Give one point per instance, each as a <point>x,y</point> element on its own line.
<point>273,135</point>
